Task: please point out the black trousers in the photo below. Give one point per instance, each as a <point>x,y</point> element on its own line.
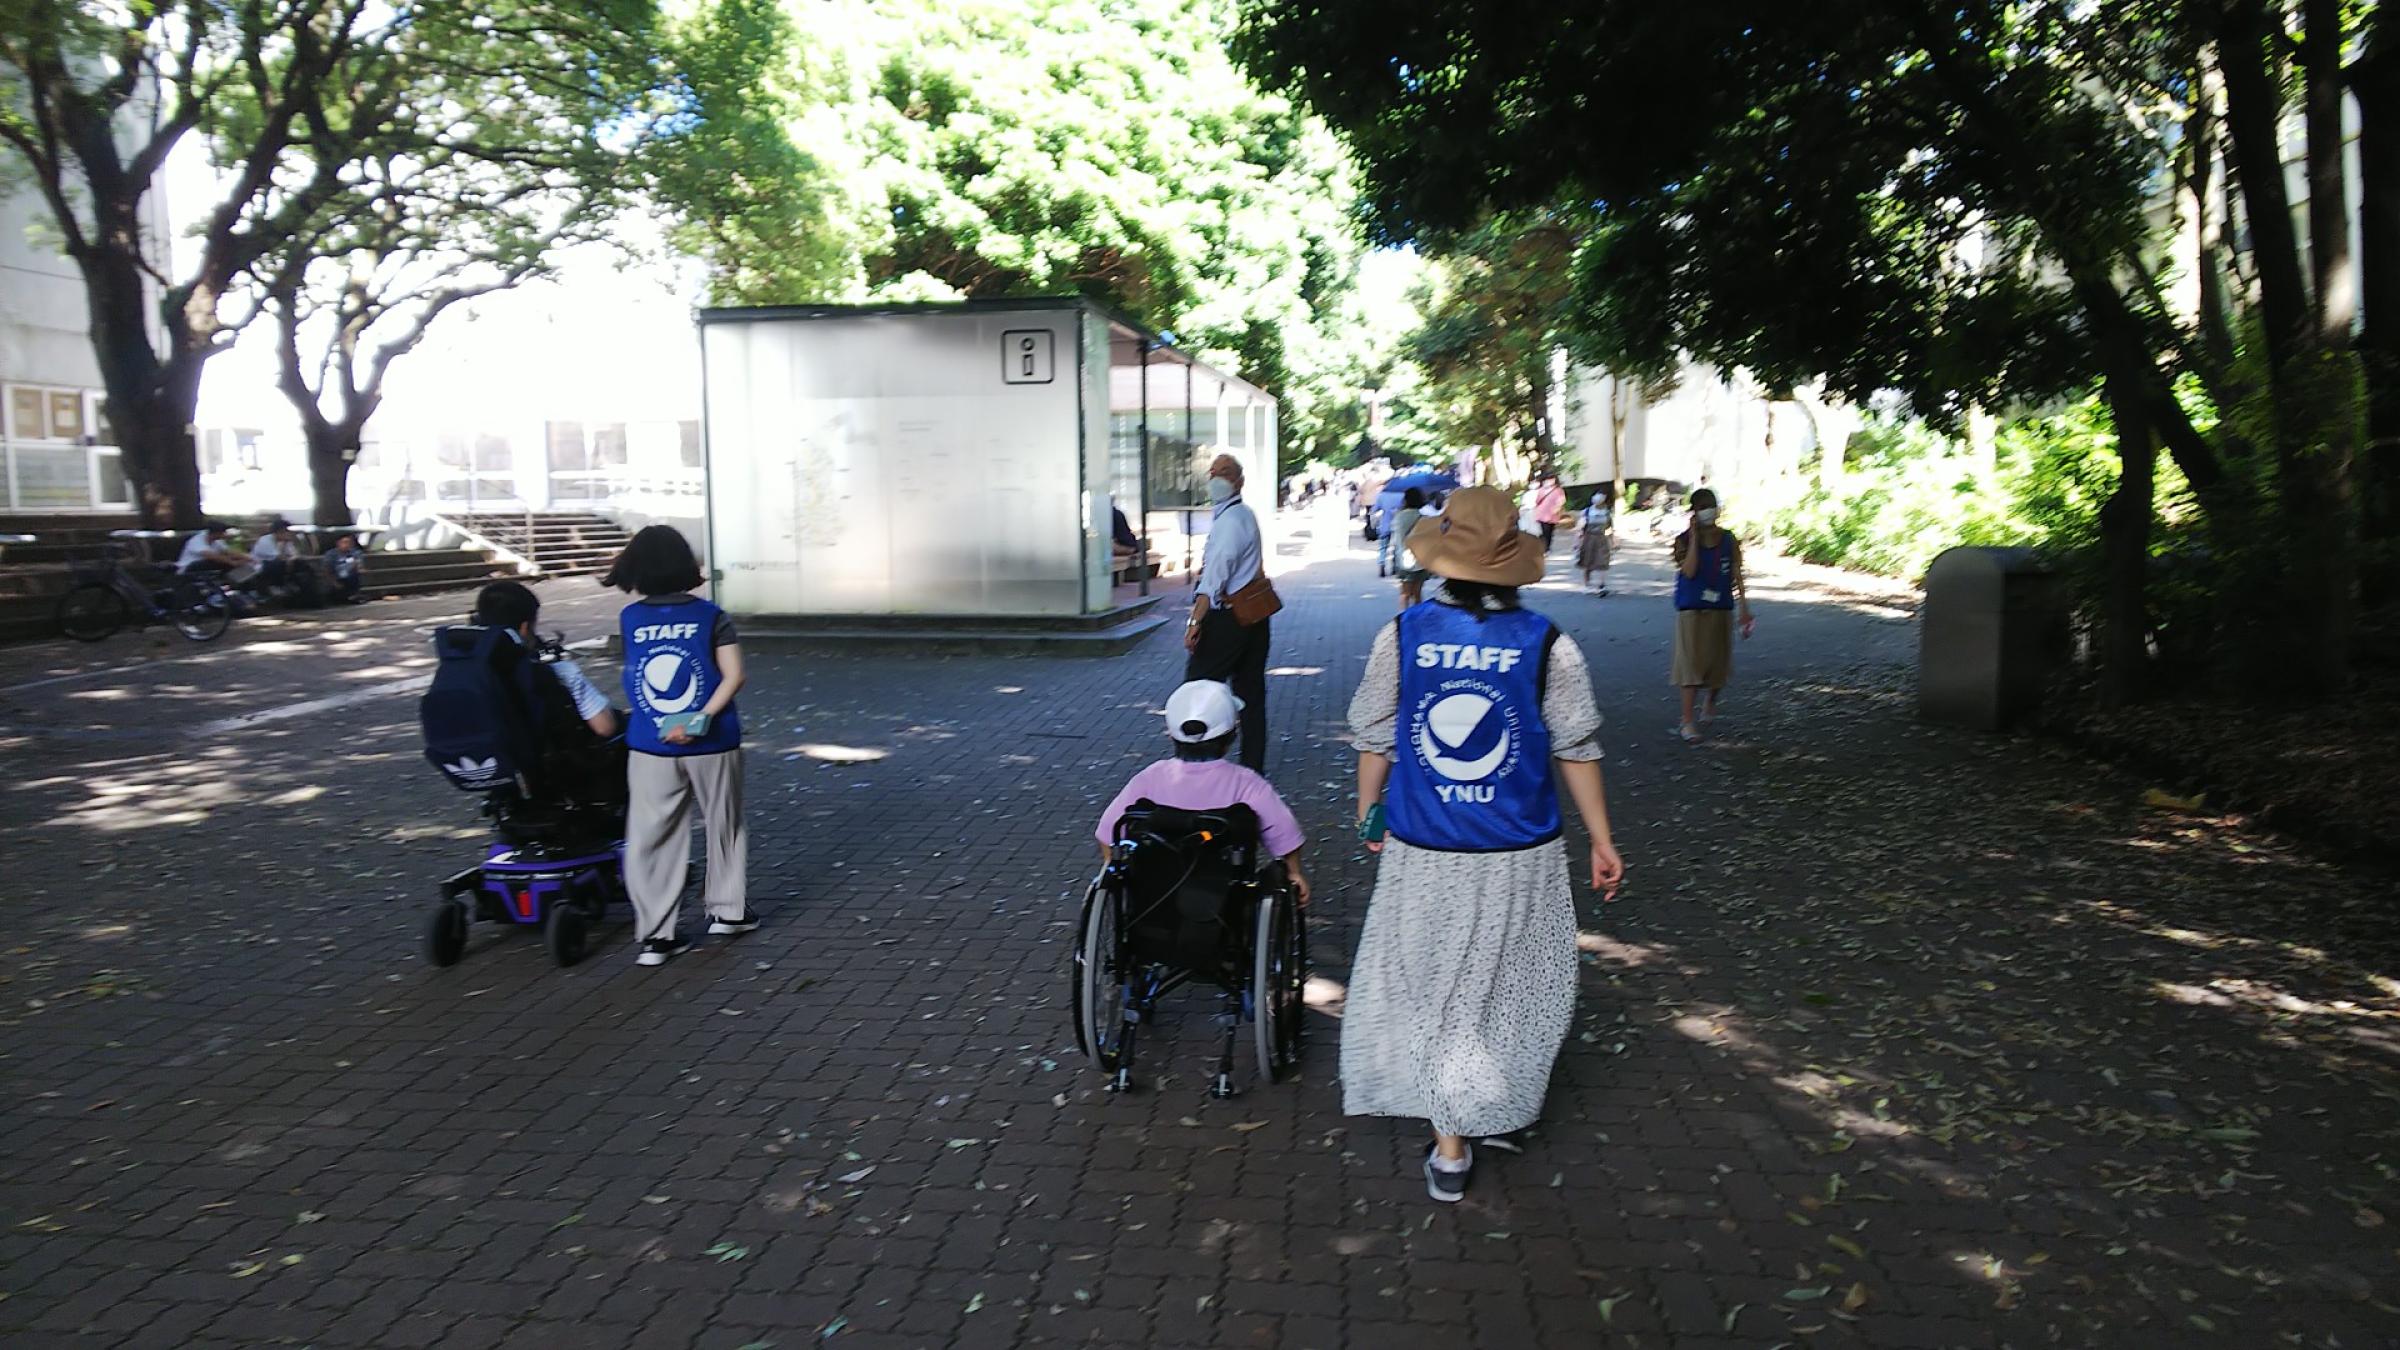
<point>1238,656</point>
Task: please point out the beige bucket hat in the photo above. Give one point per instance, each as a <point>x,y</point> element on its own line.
<point>1476,538</point>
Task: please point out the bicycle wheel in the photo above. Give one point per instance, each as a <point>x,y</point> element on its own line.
<point>199,608</point>
<point>91,611</point>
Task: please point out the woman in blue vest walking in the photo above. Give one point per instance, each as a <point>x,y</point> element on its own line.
<point>683,667</point>
<point>1464,982</point>
<point>1708,586</point>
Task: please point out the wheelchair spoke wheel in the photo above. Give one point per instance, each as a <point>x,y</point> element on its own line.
<point>1278,981</point>
<point>199,608</point>
<point>91,611</point>
<point>1100,982</point>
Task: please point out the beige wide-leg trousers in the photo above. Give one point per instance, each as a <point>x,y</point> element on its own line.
<point>658,836</point>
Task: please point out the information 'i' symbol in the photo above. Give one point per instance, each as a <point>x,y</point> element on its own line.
<point>1025,357</point>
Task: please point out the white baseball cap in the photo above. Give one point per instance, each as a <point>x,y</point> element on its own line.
<point>1208,703</point>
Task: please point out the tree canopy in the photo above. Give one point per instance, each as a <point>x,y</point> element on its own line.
<point>354,139</point>
<point>1110,148</point>
<point>1971,204</point>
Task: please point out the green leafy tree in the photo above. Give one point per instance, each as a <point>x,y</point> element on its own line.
<point>346,133</point>
<point>1493,328</point>
<point>1958,202</point>
<point>1109,148</point>
<point>439,208</point>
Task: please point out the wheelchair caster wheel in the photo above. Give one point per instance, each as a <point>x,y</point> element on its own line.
<point>1222,1088</point>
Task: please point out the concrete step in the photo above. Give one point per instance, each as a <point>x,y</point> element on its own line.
<point>33,581</point>
<point>1015,623</point>
<point>1115,640</point>
<point>377,590</point>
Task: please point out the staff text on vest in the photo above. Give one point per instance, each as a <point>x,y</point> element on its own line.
<point>1460,656</point>
<point>665,632</point>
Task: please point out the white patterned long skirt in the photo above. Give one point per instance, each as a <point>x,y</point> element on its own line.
<point>1463,988</point>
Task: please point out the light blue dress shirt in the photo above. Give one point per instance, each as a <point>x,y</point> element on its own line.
<point>1232,558</point>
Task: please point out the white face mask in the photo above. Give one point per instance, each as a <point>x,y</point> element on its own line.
<point>1706,515</point>
<point>1220,490</point>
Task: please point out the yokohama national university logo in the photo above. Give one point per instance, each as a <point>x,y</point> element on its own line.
<point>1467,734</point>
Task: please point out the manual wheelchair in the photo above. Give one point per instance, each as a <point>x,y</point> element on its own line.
<point>1185,896</point>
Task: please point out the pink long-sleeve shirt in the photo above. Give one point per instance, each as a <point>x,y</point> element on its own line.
<point>1206,785</point>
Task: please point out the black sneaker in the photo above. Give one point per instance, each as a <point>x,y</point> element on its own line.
<point>1442,1184</point>
<point>743,924</point>
<point>658,951</point>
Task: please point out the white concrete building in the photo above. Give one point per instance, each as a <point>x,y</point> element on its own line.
<point>52,437</point>
<point>1710,429</point>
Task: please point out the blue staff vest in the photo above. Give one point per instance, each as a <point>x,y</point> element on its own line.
<point>671,668</point>
<point>1713,588</point>
<point>1471,766</point>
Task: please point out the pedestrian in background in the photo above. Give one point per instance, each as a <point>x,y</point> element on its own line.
<point>1549,507</point>
<point>1412,577</point>
<point>346,568</point>
<point>1227,636</point>
<point>683,667</point>
<point>1464,981</point>
<point>1591,540</point>
<point>1708,586</point>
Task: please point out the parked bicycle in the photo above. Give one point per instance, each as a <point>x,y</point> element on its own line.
<point>125,587</point>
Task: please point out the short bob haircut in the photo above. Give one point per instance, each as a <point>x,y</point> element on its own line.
<point>656,562</point>
<point>506,604</point>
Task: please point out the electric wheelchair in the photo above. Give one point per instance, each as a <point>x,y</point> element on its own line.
<point>498,725</point>
<point>1185,896</point>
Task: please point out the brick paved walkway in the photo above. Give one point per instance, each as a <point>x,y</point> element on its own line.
<point>1898,1037</point>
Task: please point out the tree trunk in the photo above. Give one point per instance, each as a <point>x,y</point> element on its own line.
<point>149,404</point>
<point>2376,78</point>
<point>160,461</point>
<point>332,448</point>
<point>1620,410</point>
<point>2306,658</point>
<point>2125,551</point>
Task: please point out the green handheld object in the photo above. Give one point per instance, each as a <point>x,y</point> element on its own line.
<point>1371,829</point>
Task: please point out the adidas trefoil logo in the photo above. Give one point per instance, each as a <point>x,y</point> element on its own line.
<point>468,769</point>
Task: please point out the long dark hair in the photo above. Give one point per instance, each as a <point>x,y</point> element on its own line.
<point>657,561</point>
<point>1413,499</point>
<point>1479,597</point>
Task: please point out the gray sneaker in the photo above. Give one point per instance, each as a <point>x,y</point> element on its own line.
<point>1441,1183</point>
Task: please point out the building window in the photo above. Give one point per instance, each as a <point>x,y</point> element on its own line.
<point>223,447</point>
<point>608,445</point>
<point>567,454</point>
<point>38,413</point>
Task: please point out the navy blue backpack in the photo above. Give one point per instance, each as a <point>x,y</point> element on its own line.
<point>483,715</point>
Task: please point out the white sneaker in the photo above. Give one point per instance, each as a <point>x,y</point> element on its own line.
<point>1688,732</point>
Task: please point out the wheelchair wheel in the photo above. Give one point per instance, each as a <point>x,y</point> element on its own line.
<point>91,612</point>
<point>1278,982</point>
<point>1099,986</point>
<point>446,934</point>
<point>564,931</point>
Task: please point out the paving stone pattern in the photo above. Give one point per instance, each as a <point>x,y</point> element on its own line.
<point>1897,1037</point>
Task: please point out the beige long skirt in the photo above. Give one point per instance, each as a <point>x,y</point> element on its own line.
<point>1703,648</point>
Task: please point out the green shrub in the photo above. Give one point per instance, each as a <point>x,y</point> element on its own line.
<point>1912,494</point>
